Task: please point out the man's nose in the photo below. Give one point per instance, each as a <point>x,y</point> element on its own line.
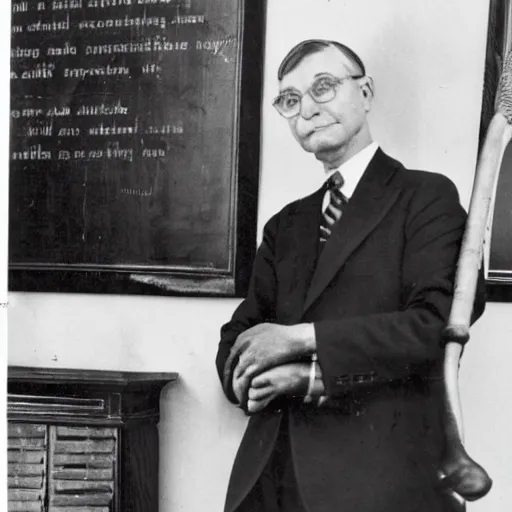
<point>308,107</point>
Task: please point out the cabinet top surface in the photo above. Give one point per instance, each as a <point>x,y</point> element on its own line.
<point>77,375</point>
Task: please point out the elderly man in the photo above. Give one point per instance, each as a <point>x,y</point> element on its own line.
<point>336,351</point>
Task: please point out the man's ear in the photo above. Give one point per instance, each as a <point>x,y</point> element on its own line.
<point>368,91</point>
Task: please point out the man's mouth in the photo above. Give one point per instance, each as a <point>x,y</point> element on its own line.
<point>320,128</point>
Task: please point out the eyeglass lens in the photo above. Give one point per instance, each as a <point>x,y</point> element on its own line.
<point>322,90</point>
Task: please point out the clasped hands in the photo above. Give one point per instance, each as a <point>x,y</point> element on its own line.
<point>269,363</point>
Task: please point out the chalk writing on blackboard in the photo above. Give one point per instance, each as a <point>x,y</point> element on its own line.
<point>123,114</point>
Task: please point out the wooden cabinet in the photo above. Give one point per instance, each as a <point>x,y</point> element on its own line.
<point>82,440</point>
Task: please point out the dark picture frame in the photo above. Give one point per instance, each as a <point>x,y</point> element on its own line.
<point>64,270</point>
<point>499,240</point>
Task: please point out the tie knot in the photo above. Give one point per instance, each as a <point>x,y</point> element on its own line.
<point>335,181</point>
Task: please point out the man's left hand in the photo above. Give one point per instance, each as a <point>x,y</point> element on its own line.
<point>267,345</point>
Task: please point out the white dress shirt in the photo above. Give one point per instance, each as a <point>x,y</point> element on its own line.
<point>352,171</point>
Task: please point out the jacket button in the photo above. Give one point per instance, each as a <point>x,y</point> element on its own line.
<point>365,377</point>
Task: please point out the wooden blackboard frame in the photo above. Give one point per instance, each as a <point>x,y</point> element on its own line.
<point>499,43</point>
<point>51,277</point>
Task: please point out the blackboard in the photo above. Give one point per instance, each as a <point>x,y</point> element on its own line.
<point>134,145</point>
<point>500,260</point>
<point>498,255</point>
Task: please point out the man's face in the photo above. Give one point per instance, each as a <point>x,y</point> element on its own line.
<point>324,128</point>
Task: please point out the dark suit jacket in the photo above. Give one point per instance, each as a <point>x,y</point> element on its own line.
<point>379,295</point>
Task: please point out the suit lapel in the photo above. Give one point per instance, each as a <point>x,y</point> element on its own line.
<point>303,232</point>
<point>372,199</point>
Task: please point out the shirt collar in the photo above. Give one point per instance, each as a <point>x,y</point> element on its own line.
<point>353,169</point>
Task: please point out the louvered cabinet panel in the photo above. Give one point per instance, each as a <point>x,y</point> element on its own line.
<point>82,468</point>
<point>27,457</point>
<point>83,440</point>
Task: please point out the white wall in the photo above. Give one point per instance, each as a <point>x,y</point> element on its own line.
<point>427,61</point>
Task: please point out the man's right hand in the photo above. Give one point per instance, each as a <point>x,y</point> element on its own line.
<point>268,345</point>
<point>288,379</point>
<point>240,387</point>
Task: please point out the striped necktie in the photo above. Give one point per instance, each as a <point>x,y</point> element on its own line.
<point>334,209</point>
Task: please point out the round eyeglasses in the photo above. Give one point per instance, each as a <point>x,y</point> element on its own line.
<point>322,90</point>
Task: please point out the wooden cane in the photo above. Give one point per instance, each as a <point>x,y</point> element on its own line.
<point>459,473</point>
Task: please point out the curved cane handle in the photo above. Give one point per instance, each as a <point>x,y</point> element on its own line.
<point>459,472</point>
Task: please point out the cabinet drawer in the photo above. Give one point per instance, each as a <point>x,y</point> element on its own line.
<point>27,466</point>
<point>81,468</point>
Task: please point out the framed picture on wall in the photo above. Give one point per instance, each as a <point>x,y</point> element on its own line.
<point>499,235</point>
<point>134,146</point>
